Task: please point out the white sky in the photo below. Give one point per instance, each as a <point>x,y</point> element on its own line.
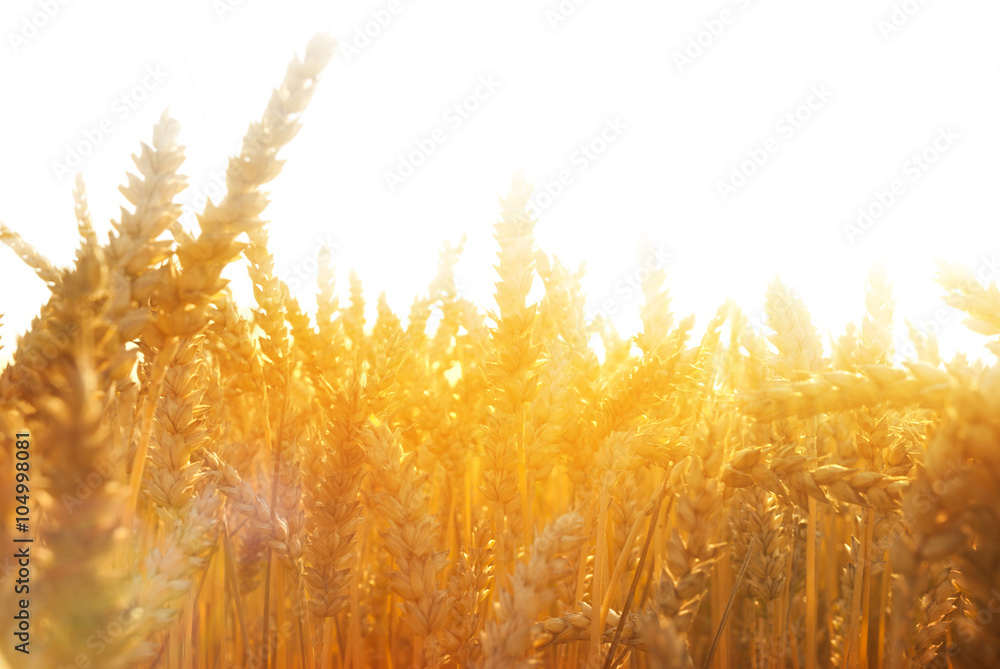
<point>677,130</point>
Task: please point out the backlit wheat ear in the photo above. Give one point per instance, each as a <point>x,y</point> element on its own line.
<point>31,257</point>
<point>512,374</point>
<point>655,312</point>
<point>202,258</point>
<point>875,344</point>
<point>925,344</point>
<point>799,347</point>
<point>967,293</point>
<point>507,639</point>
<point>85,225</point>
<point>333,479</point>
<point>135,246</point>
<point>413,537</point>
<point>469,588</point>
<point>64,404</point>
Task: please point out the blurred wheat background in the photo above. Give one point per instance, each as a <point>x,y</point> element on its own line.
<point>477,487</point>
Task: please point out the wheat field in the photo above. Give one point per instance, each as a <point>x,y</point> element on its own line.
<point>475,486</point>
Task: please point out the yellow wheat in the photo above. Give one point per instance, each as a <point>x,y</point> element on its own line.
<point>263,487</point>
